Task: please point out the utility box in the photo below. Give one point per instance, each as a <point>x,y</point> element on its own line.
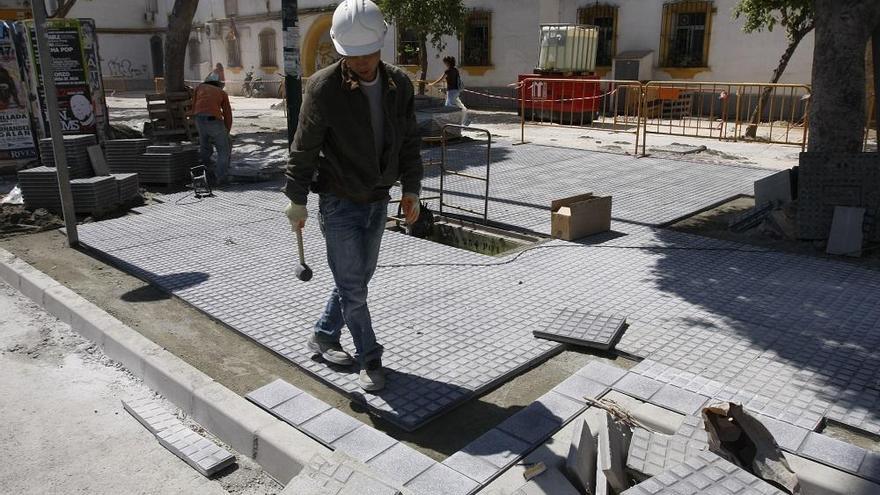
<point>580,216</point>
<point>637,65</point>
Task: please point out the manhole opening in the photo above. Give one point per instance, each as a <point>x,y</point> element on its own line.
<point>474,237</point>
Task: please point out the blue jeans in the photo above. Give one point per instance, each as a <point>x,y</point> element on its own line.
<point>453,99</point>
<point>353,233</point>
<point>212,133</point>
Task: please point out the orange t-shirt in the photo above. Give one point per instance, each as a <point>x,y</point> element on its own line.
<point>211,100</point>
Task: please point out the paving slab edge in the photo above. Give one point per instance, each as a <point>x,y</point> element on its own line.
<point>282,450</point>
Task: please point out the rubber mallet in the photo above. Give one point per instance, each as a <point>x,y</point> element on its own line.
<point>303,272</point>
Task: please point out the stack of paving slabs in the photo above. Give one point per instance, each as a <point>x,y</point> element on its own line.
<point>94,194</point>
<point>167,164</point>
<point>39,186</point>
<point>76,149</point>
<point>123,155</point>
<point>127,186</point>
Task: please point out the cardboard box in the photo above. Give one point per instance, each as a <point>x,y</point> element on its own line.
<point>580,216</point>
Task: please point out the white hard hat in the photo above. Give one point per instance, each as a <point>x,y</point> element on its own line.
<point>358,28</point>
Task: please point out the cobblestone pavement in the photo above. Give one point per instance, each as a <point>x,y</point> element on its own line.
<point>803,331</point>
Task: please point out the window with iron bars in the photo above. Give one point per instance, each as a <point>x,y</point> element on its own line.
<point>407,47</point>
<point>603,17</point>
<point>684,35</point>
<point>231,7</point>
<point>267,48</point>
<point>233,51</point>
<point>476,44</point>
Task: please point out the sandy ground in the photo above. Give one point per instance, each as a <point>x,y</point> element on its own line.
<point>64,429</point>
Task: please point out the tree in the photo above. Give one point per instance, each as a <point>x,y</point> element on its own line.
<point>428,19</point>
<point>837,107</point>
<point>62,9</point>
<point>795,16</point>
<point>176,40</point>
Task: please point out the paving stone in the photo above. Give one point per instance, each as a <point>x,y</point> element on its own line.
<point>585,328</point>
<point>650,453</point>
<point>846,231</point>
<point>550,482</point>
<point>602,486</point>
<point>363,443</point>
<point>787,436</point>
<point>442,479</point>
<point>600,372</point>
<point>202,454</point>
<point>273,394</point>
<point>614,438</point>
<point>833,452</point>
<point>330,426</point>
<point>580,463</point>
<point>474,467</point>
<point>679,400</point>
<point>700,474</point>
<point>486,456</point>
<point>560,406</point>
<point>400,464</point>
<point>638,386</point>
<point>577,387</point>
<point>533,424</point>
<point>151,413</point>
<point>336,476</point>
<point>300,409</point>
<point>870,468</point>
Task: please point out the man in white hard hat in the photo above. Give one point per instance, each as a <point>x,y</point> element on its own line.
<point>357,136</point>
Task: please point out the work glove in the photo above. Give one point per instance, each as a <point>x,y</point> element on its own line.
<point>411,206</point>
<point>297,214</point>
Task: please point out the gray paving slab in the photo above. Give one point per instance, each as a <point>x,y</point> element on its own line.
<point>638,386</point>
<point>472,466</point>
<point>600,372</point>
<point>441,479</point>
<point>679,399</point>
<point>651,453</point>
<point>330,426</point>
<point>337,476</point>
<point>580,462</point>
<point>560,406</point>
<point>300,409</point>
<point>787,436</point>
<point>400,464</point>
<point>550,482</point>
<point>703,473</point>
<point>793,335</point>
<point>583,328</point>
<point>495,448</point>
<point>846,234</point>
<point>578,387</point>
<point>833,452</point>
<point>363,443</point>
<point>203,455</point>
<point>533,424</point>
<point>273,394</point>
<point>151,413</point>
<point>870,468</point>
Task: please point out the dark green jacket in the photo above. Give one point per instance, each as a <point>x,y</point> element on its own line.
<point>333,149</point>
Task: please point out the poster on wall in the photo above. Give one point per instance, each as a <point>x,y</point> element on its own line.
<point>16,140</point>
<point>96,82</point>
<point>75,108</point>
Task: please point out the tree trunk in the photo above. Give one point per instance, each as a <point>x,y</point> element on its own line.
<point>63,9</point>
<point>752,131</point>
<point>837,105</point>
<point>423,61</point>
<point>176,40</point>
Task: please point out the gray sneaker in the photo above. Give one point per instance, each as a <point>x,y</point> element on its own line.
<point>332,353</point>
<point>372,377</point>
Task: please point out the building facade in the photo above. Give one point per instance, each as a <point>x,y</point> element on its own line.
<point>694,39</point>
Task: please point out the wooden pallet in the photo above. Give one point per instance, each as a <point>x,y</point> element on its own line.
<point>170,117</point>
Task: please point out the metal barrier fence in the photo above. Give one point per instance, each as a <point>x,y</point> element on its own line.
<point>770,113</point>
<point>606,104</point>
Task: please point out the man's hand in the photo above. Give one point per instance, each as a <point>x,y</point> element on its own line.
<point>411,206</point>
<point>297,214</point>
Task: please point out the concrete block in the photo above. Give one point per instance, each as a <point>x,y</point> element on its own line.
<point>172,377</point>
<point>638,386</point>
<point>202,454</point>
<point>282,450</point>
<point>679,400</point>
<point>560,406</point>
<point>330,426</point>
<point>603,373</point>
<point>32,282</point>
<point>400,464</point>
<point>8,273</point>
<point>870,467</point>
<point>300,409</point>
<point>441,479</point>
<point>787,435</point>
<point>126,346</point>
<point>846,235</point>
<point>363,443</point>
<point>614,440</point>
<point>272,394</point>
<point>229,417</point>
<point>580,464</point>
<point>577,387</point>
<point>59,301</point>
<point>533,424</point>
<point>775,189</point>
<point>550,482</point>
<point>816,478</point>
<point>835,453</point>
<point>89,321</point>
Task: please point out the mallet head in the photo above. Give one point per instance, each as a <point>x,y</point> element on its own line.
<point>303,272</point>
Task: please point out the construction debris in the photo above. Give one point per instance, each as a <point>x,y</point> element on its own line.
<point>614,438</point>
<point>580,464</point>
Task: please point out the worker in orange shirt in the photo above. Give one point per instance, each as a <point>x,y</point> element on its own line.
<point>213,117</point>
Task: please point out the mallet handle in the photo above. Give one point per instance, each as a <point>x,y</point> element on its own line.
<point>299,245</point>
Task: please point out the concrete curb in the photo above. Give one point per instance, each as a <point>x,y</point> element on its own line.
<point>282,450</point>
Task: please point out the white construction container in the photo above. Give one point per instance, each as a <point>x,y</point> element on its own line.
<point>567,48</point>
